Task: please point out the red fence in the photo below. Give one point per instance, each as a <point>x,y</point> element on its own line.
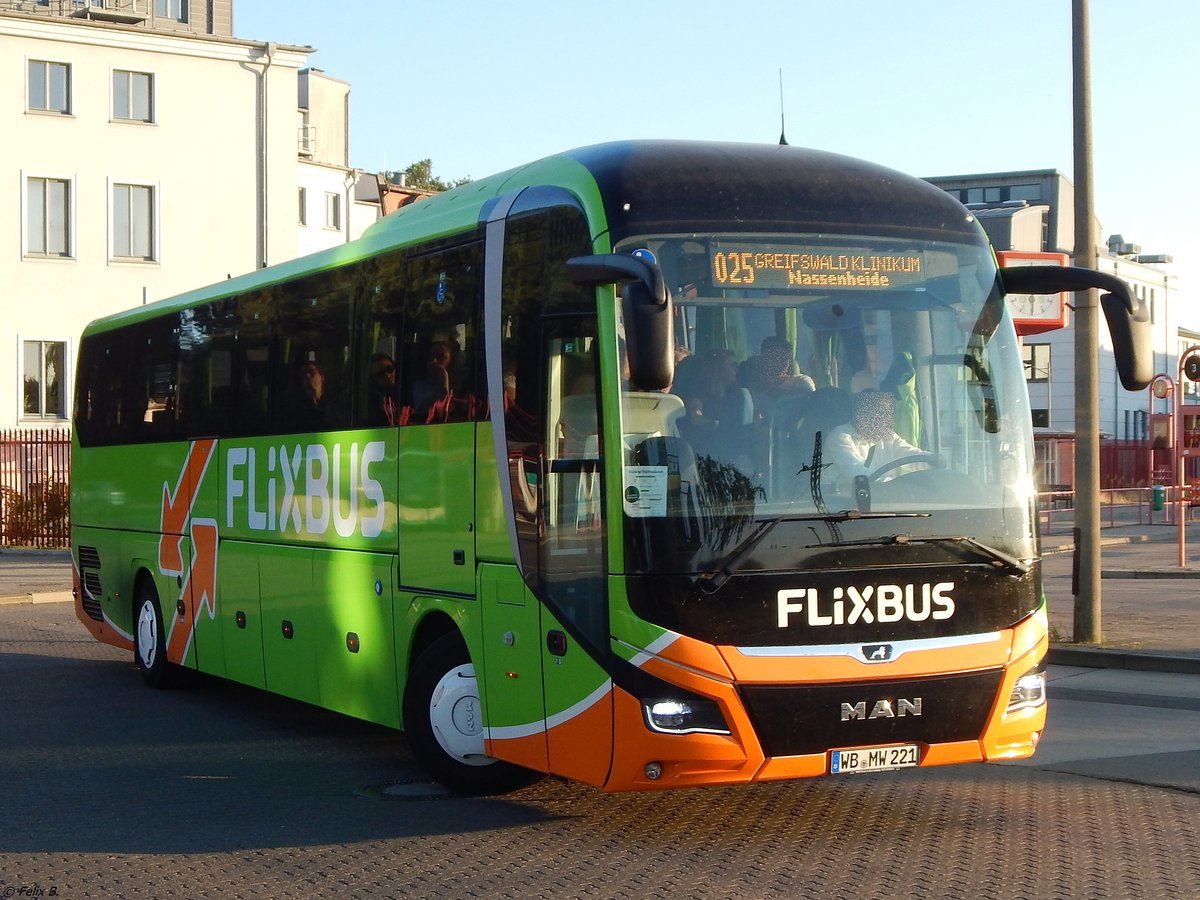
<point>34,488</point>
<point>1123,463</point>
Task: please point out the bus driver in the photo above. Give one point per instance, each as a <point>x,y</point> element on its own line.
<point>868,443</point>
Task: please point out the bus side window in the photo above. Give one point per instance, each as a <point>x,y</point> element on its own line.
<point>311,350</point>
<point>441,345</point>
<point>377,397</point>
<point>252,364</point>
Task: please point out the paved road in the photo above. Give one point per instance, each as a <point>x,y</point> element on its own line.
<point>111,789</point>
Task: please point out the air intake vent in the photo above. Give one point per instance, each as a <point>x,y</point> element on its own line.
<point>91,596</point>
<point>89,565</point>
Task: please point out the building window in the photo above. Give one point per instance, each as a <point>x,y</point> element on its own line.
<point>43,379</point>
<point>303,206</point>
<point>133,96</point>
<point>171,9</point>
<point>1027,192</point>
<point>47,217</point>
<point>49,87</point>
<point>133,222</point>
<point>1037,361</point>
<point>333,211</point>
<point>307,136</point>
<point>1041,418</point>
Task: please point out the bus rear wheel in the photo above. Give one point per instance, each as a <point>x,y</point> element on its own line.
<point>149,637</point>
<point>443,721</point>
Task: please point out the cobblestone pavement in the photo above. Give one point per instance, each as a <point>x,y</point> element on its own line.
<point>114,790</point>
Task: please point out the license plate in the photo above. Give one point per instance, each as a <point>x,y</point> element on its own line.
<point>874,759</point>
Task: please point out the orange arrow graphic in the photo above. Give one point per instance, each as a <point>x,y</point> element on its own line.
<point>201,585</point>
<point>177,507</point>
<point>201,581</point>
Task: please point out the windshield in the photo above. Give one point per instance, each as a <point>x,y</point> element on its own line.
<point>829,391</point>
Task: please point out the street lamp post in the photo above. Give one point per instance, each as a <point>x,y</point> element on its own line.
<point>1087,400</point>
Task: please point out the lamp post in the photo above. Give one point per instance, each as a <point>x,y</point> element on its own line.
<point>1087,399</point>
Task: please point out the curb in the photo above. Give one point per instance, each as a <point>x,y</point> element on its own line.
<point>1108,542</point>
<point>39,597</point>
<point>1176,573</point>
<point>54,555</point>
<point>1095,658</point>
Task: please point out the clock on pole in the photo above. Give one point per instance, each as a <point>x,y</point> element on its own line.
<point>1035,313</point>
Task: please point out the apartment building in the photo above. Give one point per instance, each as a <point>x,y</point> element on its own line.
<point>147,151</point>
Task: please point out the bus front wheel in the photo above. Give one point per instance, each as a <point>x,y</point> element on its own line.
<point>444,724</point>
<point>149,639</point>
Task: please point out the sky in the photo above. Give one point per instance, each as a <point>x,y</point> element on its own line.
<point>929,87</point>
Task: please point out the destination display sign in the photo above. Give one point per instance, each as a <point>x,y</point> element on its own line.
<point>746,265</point>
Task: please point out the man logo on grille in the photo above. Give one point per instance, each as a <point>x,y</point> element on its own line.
<point>877,652</point>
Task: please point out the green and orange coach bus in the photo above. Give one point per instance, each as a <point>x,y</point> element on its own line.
<point>649,464</point>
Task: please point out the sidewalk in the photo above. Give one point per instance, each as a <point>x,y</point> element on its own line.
<point>34,576</point>
<point>1149,605</point>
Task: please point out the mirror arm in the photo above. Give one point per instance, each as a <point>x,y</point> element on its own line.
<point>1055,279</point>
<point>607,268</point>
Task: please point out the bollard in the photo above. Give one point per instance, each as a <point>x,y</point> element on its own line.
<point>1159,495</point>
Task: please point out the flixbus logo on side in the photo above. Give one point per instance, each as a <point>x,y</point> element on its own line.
<point>306,489</point>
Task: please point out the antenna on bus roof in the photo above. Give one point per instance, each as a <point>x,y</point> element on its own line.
<point>782,136</point>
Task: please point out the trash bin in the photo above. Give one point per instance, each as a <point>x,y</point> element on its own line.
<point>1159,495</point>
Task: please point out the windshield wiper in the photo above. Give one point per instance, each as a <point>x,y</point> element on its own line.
<point>711,582</point>
<point>996,557</point>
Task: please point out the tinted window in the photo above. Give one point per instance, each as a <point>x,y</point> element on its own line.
<point>440,348</point>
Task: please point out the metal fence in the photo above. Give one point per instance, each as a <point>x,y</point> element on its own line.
<point>35,508</point>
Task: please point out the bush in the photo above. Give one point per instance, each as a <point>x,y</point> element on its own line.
<point>41,517</point>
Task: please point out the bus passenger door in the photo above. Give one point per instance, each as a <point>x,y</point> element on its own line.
<point>543,372</point>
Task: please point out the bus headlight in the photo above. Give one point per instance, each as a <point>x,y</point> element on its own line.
<point>691,716</point>
<point>1029,691</point>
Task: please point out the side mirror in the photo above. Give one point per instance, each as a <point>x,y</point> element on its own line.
<point>1128,317</point>
<point>646,305</point>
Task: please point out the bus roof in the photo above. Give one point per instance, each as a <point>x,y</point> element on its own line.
<point>640,187</point>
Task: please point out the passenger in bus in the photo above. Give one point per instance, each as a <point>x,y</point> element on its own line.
<point>433,391</point>
<point>382,409</point>
<point>309,411</point>
<point>717,409</point>
<point>774,372</point>
<point>867,443</point>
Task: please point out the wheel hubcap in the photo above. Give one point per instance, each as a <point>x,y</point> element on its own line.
<point>456,717</point>
<point>147,632</point>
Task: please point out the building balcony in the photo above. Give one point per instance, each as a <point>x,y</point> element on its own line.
<point>123,12</point>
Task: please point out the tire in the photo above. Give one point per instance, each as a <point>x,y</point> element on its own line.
<point>442,719</point>
<point>149,638</point>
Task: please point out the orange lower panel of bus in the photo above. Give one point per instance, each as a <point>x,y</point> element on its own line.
<point>647,760</point>
<point>91,614</point>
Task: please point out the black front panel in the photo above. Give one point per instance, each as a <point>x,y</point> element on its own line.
<point>763,185</point>
<point>791,720</point>
<point>842,606</point>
